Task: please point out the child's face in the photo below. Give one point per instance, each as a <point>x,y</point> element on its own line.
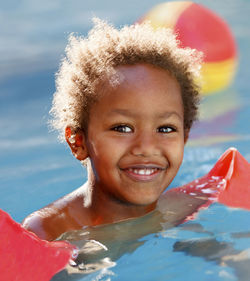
<point>135,135</point>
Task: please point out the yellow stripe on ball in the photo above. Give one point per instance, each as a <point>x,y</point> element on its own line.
<point>217,75</point>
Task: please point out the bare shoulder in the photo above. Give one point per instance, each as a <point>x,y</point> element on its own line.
<point>35,222</point>
<point>62,215</point>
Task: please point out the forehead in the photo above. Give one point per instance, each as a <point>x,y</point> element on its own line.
<point>142,85</point>
<point>139,74</point>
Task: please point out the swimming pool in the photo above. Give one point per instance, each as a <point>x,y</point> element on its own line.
<point>35,169</point>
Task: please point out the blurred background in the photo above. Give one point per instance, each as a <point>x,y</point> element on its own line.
<point>35,168</point>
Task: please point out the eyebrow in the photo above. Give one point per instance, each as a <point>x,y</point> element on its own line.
<point>128,113</point>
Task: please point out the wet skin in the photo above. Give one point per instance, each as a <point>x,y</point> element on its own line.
<point>135,144</point>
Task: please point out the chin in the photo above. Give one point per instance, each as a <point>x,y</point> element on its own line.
<point>143,201</point>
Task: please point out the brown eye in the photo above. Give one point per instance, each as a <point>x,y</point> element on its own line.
<point>122,129</point>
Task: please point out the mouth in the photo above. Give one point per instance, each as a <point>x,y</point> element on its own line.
<point>143,173</point>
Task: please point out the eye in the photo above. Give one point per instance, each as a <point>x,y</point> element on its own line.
<point>122,129</point>
<point>166,129</point>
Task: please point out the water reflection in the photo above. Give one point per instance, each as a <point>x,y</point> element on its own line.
<point>222,253</point>
<point>102,247</point>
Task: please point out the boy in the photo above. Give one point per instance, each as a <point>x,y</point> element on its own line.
<point>125,102</point>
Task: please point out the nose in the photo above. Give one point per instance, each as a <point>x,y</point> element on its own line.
<point>145,144</point>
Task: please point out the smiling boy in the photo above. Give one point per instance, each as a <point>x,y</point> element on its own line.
<point>125,101</point>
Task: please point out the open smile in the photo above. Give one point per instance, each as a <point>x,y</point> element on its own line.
<point>143,173</point>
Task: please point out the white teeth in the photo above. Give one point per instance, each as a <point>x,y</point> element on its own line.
<point>143,171</point>
<point>148,172</point>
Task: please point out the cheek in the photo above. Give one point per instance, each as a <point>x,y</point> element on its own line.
<point>103,152</point>
<point>175,152</point>
<point>112,145</point>
<point>96,145</point>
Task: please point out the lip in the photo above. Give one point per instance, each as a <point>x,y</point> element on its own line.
<point>143,172</point>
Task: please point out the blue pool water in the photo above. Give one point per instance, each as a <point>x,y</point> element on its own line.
<point>36,169</point>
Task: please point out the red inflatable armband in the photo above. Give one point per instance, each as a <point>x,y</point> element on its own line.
<point>25,257</point>
<point>228,182</point>
<point>236,171</point>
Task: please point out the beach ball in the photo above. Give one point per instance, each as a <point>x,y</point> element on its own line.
<point>200,28</point>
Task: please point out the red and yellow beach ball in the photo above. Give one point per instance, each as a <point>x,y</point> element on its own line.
<point>200,28</point>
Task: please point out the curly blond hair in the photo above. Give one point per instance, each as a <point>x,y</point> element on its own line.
<point>93,59</point>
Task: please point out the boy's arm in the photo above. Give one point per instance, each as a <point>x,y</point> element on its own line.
<point>48,223</point>
<point>34,223</point>
<point>66,213</point>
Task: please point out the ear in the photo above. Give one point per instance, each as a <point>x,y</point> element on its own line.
<point>76,142</point>
<point>186,135</point>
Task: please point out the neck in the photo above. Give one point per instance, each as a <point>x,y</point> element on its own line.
<point>107,209</point>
